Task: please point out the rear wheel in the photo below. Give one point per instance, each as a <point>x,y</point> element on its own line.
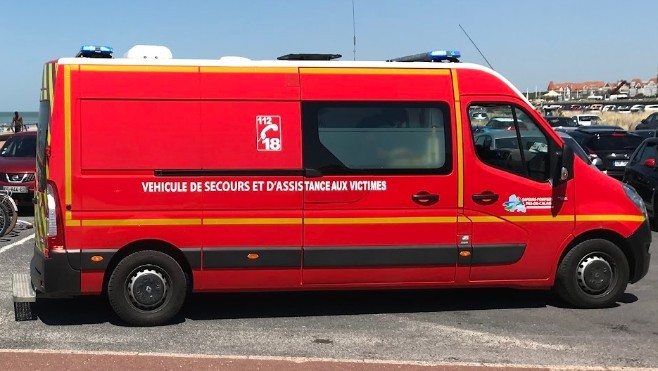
<point>147,288</point>
<point>594,274</point>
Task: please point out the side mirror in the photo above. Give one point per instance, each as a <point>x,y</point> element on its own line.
<point>563,165</point>
<point>597,162</point>
<point>650,163</point>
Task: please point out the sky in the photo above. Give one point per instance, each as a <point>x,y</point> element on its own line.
<point>529,42</point>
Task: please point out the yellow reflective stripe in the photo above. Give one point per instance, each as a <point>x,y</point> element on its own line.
<point>67,135</point>
<point>347,221</point>
<point>249,69</point>
<point>252,221</point>
<point>72,223</point>
<point>607,218</point>
<point>383,220</point>
<point>559,218</point>
<point>540,218</point>
<point>486,219</point>
<point>137,222</point>
<point>460,141</point>
<point>372,71</point>
<point>119,68</point>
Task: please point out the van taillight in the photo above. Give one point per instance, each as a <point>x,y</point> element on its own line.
<point>55,230</point>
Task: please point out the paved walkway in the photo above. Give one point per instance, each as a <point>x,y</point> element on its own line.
<point>72,361</point>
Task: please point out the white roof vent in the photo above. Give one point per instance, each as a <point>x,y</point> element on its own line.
<point>148,52</point>
<point>232,58</point>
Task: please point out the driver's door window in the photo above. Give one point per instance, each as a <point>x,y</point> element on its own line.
<point>516,144</point>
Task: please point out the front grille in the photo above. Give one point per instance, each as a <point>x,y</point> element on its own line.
<point>17,177</point>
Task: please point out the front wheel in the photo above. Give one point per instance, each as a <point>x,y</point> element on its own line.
<point>594,274</point>
<point>147,288</point>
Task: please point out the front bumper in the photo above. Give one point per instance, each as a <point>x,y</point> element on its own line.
<point>639,243</point>
<point>53,277</point>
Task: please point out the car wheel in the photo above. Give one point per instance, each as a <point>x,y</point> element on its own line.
<point>147,288</point>
<point>594,274</point>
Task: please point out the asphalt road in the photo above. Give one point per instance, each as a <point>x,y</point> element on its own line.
<point>483,326</point>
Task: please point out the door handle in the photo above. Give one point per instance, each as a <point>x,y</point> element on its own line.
<point>425,198</point>
<point>487,197</point>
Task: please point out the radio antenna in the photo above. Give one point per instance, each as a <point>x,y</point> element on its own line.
<point>353,30</point>
<point>476,47</point>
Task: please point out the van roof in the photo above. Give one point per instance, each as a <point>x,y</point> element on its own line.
<point>249,63</point>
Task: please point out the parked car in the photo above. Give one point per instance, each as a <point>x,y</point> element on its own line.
<point>497,140</point>
<point>637,108</point>
<point>586,120</point>
<point>579,151</point>
<point>651,107</point>
<point>614,147</point>
<point>642,174</point>
<point>561,122</point>
<point>479,115</point>
<point>646,133</point>
<point>17,165</point>
<point>650,122</point>
<point>501,123</point>
<point>623,109</point>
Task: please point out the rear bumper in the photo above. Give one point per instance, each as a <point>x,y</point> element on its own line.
<point>53,277</point>
<point>615,173</point>
<point>639,243</point>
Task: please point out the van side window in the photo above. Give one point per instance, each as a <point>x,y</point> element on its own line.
<point>514,142</point>
<point>377,138</point>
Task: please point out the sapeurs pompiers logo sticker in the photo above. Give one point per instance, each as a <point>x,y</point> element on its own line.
<point>517,204</point>
<point>514,205</point>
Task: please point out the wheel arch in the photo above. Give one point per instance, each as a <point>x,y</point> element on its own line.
<point>604,234</point>
<point>149,244</point>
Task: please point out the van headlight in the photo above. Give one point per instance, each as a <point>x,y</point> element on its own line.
<point>632,194</point>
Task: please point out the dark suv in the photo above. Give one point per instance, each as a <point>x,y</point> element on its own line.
<point>642,174</point>
<point>651,122</point>
<point>561,121</point>
<point>614,147</point>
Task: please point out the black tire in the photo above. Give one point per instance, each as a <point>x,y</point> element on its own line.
<point>594,274</point>
<point>147,288</point>
<point>12,211</point>
<point>5,219</point>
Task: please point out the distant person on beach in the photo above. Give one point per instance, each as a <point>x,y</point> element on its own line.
<point>17,123</point>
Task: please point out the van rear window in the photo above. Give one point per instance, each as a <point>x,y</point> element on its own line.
<point>615,142</point>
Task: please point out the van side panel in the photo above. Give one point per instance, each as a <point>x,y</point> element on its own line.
<point>378,235</point>
<point>127,146</point>
<point>251,200</point>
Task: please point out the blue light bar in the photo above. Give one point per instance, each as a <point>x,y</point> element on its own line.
<point>93,51</point>
<point>442,55</point>
<point>433,56</point>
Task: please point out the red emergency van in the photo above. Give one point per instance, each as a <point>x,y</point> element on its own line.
<point>160,177</point>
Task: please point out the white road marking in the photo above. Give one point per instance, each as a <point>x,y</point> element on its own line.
<point>5,248</point>
<point>490,339</point>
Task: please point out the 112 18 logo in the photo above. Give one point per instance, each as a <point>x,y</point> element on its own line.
<point>268,131</point>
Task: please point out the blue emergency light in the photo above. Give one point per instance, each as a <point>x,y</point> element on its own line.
<point>93,51</point>
<point>432,56</point>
